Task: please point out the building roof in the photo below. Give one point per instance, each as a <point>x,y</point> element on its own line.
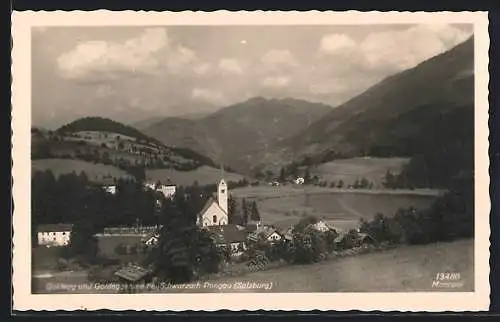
<point>133,273</point>
<point>227,234</point>
<point>209,202</point>
<point>54,227</point>
<point>251,228</point>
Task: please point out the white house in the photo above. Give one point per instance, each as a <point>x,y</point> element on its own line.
<point>110,189</point>
<point>151,239</point>
<point>215,212</point>
<point>321,226</point>
<point>167,190</point>
<point>268,234</point>
<point>54,234</point>
<point>299,180</point>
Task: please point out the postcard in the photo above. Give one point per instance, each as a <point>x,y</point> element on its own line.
<point>259,160</point>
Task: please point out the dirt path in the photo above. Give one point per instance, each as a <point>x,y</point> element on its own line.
<point>350,209</point>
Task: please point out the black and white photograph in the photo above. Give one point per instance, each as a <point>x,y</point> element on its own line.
<point>207,158</point>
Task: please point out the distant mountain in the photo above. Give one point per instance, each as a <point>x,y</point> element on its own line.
<point>416,112</point>
<point>139,147</point>
<point>101,124</point>
<point>235,134</point>
<point>145,123</point>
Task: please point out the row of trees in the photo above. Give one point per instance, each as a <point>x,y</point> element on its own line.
<point>450,217</point>
<point>244,213</point>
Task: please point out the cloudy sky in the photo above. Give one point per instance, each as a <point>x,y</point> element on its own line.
<point>132,73</point>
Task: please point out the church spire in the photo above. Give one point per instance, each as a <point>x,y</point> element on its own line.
<point>222,171</point>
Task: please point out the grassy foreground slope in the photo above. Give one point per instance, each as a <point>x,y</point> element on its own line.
<point>404,269</point>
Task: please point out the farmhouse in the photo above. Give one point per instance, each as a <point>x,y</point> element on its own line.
<point>215,212</point>
<point>351,239</point>
<point>109,185</point>
<point>54,234</point>
<point>299,180</point>
<point>287,233</point>
<point>267,234</point>
<point>321,226</point>
<point>133,273</point>
<point>168,190</point>
<point>232,236</point>
<point>151,239</point>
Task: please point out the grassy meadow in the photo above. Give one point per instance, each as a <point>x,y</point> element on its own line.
<point>284,205</point>
<point>403,269</point>
<point>204,175</point>
<point>350,170</point>
<point>63,166</point>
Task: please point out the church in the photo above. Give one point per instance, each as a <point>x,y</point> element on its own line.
<point>215,212</point>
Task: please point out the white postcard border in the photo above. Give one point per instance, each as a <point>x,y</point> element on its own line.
<point>405,302</point>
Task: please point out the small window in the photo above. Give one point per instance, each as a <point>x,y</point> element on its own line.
<point>64,233</point>
<point>214,219</point>
<point>223,191</point>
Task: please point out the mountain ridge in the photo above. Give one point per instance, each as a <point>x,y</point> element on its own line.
<point>389,111</point>
<point>233,134</point>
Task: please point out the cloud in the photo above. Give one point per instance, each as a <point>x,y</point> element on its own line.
<point>208,96</point>
<point>230,66</point>
<point>336,44</point>
<point>275,82</point>
<point>178,58</point>
<point>276,59</point>
<point>202,68</point>
<point>405,49</point>
<point>133,55</point>
<point>394,50</point>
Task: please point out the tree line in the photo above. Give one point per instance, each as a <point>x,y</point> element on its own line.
<point>450,217</point>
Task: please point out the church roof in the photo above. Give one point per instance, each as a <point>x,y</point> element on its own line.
<point>209,203</point>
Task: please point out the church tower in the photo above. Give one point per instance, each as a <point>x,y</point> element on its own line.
<point>222,193</point>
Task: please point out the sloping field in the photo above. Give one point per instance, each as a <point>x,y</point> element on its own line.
<point>404,269</point>
<point>284,206</point>
<point>204,175</point>
<point>350,170</point>
<point>62,166</point>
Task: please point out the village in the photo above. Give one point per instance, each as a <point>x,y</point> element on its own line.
<point>248,244</point>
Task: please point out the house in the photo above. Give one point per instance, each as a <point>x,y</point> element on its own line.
<point>151,239</point>
<point>299,180</point>
<point>167,190</point>
<point>229,235</point>
<point>365,239</point>
<point>215,212</point>
<point>287,234</point>
<point>54,234</point>
<point>133,273</point>
<point>108,184</point>
<point>268,234</point>
<point>348,240</point>
<point>321,226</point>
